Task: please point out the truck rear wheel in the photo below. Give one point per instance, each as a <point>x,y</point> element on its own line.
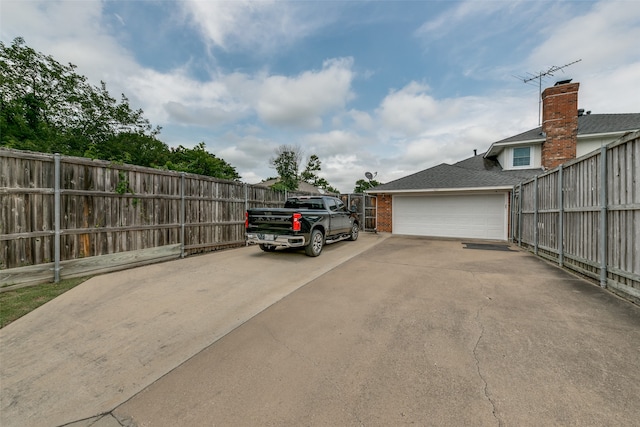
<point>355,229</point>
<point>314,247</point>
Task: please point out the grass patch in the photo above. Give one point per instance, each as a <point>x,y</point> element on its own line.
<point>15,304</point>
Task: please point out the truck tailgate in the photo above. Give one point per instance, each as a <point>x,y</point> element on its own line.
<point>265,220</point>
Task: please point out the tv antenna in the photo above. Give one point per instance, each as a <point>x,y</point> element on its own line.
<point>540,76</point>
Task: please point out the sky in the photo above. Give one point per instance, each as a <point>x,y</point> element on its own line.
<point>387,87</point>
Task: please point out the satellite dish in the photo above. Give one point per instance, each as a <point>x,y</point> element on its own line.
<point>369,175</point>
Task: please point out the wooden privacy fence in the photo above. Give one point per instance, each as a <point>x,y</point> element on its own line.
<point>585,216</point>
<point>73,216</point>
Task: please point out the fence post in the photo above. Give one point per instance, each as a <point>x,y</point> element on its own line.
<point>363,221</point>
<point>520,199</point>
<point>560,217</point>
<point>246,206</point>
<point>182,214</point>
<point>56,217</point>
<point>535,215</point>
<point>603,216</point>
<point>512,214</point>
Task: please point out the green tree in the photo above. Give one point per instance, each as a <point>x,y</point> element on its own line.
<point>135,149</point>
<point>286,162</point>
<point>48,107</point>
<point>310,172</point>
<point>363,185</point>
<point>198,161</point>
<point>310,175</point>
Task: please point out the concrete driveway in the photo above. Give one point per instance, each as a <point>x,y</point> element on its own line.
<point>99,344</point>
<point>408,331</point>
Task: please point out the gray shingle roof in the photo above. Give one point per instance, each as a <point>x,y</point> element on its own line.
<point>588,124</point>
<point>477,172</point>
<point>474,172</point>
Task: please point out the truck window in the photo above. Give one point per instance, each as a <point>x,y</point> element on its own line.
<point>331,204</point>
<point>303,204</point>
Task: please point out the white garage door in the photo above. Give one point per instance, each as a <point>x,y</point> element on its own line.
<point>481,216</point>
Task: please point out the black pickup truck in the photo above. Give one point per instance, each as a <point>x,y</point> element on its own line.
<point>304,222</point>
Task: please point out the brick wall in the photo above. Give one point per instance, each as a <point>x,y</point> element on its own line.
<point>384,213</point>
<point>560,124</point>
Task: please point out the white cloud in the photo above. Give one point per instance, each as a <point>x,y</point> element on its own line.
<point>445,21</point>
<point>175,98</point>
<point>410,110</point>
<point>605,39</point>
<point>607,33</point>
<point>362,120</point>
<point>448,21</point>
<point>420,131</point>
<point>332,143</point>
<point>248,24</point>
<point>302,101</point>
<point>411,128</point>
<point>612,91</point>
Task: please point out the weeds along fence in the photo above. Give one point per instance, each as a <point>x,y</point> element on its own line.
<point>67,216</point>
<point>585,216</point>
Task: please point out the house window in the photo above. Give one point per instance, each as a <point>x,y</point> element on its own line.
<point>522,156</point>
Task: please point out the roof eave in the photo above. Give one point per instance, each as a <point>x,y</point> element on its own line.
<point>497,147</point>
<point>604,134</point>
<point>440,190</point>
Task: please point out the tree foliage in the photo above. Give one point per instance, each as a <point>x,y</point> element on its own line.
<point>286,162</point>
<point>310,175</point>
<point>47,107</point>
<point>363,185</point>
<point>198,160</point>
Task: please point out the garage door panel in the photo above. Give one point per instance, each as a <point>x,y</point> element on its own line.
<point>471,216</point>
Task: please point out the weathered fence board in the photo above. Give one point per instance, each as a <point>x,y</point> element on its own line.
<point>107,209</point>
<point>40,273</point>
<point>585,215</point>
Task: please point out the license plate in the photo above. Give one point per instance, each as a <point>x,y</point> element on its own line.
<point>268,237</point>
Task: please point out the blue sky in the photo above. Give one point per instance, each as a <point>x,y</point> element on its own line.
<point>392,87</point>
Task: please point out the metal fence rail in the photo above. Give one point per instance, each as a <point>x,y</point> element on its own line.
<point>585,216</point>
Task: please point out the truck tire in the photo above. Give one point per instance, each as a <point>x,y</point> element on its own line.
<point>267,248</point>
<point>314,247</point>
<point>355,229</point>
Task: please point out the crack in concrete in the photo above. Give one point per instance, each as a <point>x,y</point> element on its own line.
<point>108,419</point>
<point>484,381</point>
<point>477,359</point>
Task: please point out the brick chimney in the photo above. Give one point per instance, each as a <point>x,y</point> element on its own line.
<point>559,123</point>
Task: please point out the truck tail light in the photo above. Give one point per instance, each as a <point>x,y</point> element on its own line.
<point>246,220</point>
<point>296,224</point>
